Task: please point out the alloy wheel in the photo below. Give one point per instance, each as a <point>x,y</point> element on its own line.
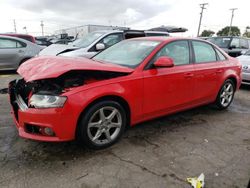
<point>226,94</point>
<point>104,125</point>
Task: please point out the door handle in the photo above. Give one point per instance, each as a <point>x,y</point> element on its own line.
<point>20,51</point>
<point>188,75</point>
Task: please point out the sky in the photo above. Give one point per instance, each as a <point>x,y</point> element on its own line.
<point>136,14</point>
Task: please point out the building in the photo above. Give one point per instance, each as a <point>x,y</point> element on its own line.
<point>80,31</point>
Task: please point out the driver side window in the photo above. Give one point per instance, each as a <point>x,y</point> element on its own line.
<point>112,39</point>
<point>178,51</point>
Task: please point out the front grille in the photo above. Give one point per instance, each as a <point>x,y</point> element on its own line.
<point>18,96</point>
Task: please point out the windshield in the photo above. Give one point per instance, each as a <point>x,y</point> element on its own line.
<point>127,53</point>
<point>222,42</point>
<point>87,40</point>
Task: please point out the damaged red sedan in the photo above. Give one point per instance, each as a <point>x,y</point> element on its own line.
<point>93,100</point>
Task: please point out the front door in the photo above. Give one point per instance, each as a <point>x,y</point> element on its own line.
<point>169,89</point>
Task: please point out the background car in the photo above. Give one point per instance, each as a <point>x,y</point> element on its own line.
<point>245,61</point>
<point>14,51</point>
<point>93,100</point>
<point>21,36</point>
<point>43,41</point>
<point>94,42</point>
<point>234,46</point>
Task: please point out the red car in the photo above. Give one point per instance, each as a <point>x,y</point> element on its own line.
<point>22,36</point>
<point>93,100</point>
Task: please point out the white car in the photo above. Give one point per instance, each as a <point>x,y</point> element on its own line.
<point>94,42</point>
<point>245,61</point>
<point>14,51</point>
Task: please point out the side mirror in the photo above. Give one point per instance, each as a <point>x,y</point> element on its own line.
<point>100,46</point>
<point>164,61</point>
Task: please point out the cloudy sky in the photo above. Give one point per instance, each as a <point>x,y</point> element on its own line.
<point>137,14</point>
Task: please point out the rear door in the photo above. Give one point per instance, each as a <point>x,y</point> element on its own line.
<point>169,89</point>
<point>11,53</point>
<point>208,71</point>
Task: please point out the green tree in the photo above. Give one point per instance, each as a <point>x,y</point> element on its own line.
<point>235,31</point>
<point>207,33</point>
<point>247,32</point>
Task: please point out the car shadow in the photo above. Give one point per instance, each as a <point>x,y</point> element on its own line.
<point>28,152</point>
<point>245,87</point>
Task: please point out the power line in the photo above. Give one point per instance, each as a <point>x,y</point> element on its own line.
<point>201,14</point>
<point>231,22</point>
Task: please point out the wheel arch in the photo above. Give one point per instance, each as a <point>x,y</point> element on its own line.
<point>115,98</point>
<point>234,80</point>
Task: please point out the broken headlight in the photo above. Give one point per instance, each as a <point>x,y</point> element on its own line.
<point>47,101</point>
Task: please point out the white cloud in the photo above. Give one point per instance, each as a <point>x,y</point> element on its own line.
<point>139,14</point>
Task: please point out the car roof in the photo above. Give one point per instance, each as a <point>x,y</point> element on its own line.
<point>15,34</point>
<point>167,39</point>
<point>130,30</point>
<point>15,38</point>
<point>231,37</point>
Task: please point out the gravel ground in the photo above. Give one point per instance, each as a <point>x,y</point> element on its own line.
<point>158,153</point>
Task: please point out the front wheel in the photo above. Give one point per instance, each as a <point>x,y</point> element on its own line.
<point>102,125</point>
<point>225,95</point>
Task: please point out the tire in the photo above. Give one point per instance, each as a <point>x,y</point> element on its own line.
<point>225,95</point>
<point>26,59</point>
<point>102,125</point>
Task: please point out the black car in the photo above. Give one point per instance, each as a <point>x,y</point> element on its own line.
<point>234,46</point>
<point>42,41</point>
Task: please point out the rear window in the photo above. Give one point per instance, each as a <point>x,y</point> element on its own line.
<point>203,52</point>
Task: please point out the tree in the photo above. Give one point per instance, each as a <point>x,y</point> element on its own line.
<point>207,33</point>
<point>247,32</point>
<point>235,31</point>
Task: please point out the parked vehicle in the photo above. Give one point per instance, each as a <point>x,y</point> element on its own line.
<point>245,61</point>
<point>14,51</point>
<point>93,100</point>
<point>234,46</point>
<point>43,41</point>
<point>95,42</point>
<point>21,36</point>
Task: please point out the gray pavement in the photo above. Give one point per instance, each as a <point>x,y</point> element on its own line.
<point>158,153</point>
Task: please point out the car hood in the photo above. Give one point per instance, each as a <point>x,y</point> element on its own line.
<point>51,67</point>
<point>56,49</point>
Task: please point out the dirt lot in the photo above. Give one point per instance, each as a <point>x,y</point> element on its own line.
<point>159,153</point>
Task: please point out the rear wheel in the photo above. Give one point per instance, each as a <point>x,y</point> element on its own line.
<point>102,125</point>
<point>225,95</point>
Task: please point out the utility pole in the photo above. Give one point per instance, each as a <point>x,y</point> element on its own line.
<point>25,28</point>
<point>42,25</point>
<point>14,22</point>
<point>230,28</point>
<point>201,14</point>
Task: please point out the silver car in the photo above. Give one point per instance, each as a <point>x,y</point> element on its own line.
<point>94,42</point>
<point>14,51</point>
<point>245,61</point>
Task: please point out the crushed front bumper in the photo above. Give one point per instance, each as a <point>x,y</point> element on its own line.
<point>60,120</point>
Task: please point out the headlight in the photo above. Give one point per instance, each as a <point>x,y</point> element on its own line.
<point>47,101</point>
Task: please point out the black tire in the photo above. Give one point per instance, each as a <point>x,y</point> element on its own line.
<point>218,102</point>
<point>83,136</point>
